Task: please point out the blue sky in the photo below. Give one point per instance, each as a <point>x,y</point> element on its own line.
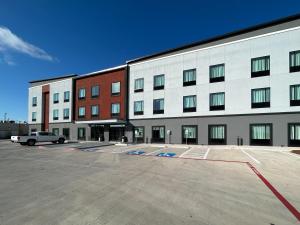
<point>43,38</point>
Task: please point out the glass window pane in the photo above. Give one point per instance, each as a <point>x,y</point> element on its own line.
<point>115,88</point>
<point>95,91</point>
<point>189,101</point>
<point>66,95</point>
<point>261,64</point>
<point>82,93</point>
<point>217,132</point>
<point>189,132</point>
<point>217,71</point>
<point>95,110</point>
<point>158,104</point>
<point>115,108</point>
<point>295,58</point>
<point>138,106</point>
<point>159,80</point>
<point>66,112</point>
<point>81,111</point>
<point>262,132</point>
<point>139,84</point>
<point>189,75</point>
<point>139,132</point>
<point>217,99</point>
<point>261,95</point>
<point>295,92</point>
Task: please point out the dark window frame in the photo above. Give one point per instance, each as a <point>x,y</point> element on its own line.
<point>34,104</point>
<point>158,111</point>
<point>183,140</point>
<point>189,83</point>
<point>261,142</point>
<point>161,87</point>
<point>293,69</point>
<point>261,73</point>
<point>115,115</point>
<point>66,117</point>
<point>216,79</point>
<point>191,109</point>
<point>212,141</point>
<point>95,96</point>
<point>63,133</point>
<point>216,107</point>
<point>81,98</point>
<point>294,102</point>
<point>139,140</point>
<point>55,101</point>
<point>95,116</point>
<point>55,118</point>
<point>55,128</point>
<point>159,140</point>
<point>81,116</point>
<point>66,99</point>
<point>255,105</point>
<point>115,94</point>
<point>141,89</point>
<point>84,137</point>
<point>137,113</point>
<point>292,143</point>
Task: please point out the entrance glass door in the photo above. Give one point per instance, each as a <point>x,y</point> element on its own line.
<point>116,133</point>
<point>97,131</point>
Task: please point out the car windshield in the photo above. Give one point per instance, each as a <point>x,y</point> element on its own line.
<point>33,134</point>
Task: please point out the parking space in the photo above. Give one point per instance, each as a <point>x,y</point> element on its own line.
<point>65,184</point>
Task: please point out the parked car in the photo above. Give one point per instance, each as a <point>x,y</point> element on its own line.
<point>41,136</point>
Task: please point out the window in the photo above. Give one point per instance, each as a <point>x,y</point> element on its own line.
<point>217,73</point>
<point>158,106</point>
<point>217,101</point>
<point>56,98</point>
<point>189,135</point>
<point>138,107</point>
<point>66,96</point>
<point>81,133</point>
<point>260,98</point>
<point>159,82</point>
<point>261,134</point>
<point>139,85</point>
<point>139,134</point>
<point>95,110</point>
<point>158,134</point>
<point>81,93</point>
<point>295,95</point>
<point>294,134</point>
<point>55,131</point>
<point>189,103</point>
<point>95,91</point>
<point>115,109</point>
<point>81,112</point>
<point>33,116</point>
<point>66,133</point>
<point>115,88</point>
<point>260,66</point>
<point>34,101</point>
<point>294,61</point>
<point>66,114</point>
<point>189,77</point>
<point>217,134</point>
<point>55,114</point>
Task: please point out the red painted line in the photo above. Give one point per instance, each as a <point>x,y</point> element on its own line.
<point>283,200</point>
<point>280,197</point>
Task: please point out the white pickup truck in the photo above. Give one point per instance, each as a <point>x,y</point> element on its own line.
<point>41,136</point>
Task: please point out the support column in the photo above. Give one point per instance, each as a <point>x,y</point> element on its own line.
<point>106,133</point>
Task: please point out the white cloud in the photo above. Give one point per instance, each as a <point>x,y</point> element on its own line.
<point>11,42</point>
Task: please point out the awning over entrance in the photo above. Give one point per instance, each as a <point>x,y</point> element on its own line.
<point>104,122</point>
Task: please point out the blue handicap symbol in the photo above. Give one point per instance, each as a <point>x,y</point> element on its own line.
<point>166,154</point>
<point>135,152</point>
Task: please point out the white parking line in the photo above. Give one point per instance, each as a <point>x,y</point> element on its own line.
<point>292,154</point>
<point>206,153</point>
<point>185,152</point>
<point>150,153</point>
<point>250,156</point>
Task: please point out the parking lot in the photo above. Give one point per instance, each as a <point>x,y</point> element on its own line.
<point>92,183</point>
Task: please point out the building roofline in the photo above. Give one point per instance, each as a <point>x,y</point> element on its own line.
<point>219,37</point>
<point>112,69</point>
<point>54,78</point>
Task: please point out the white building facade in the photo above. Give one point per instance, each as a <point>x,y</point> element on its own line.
<point>240,88</point>
<point>50,106</point>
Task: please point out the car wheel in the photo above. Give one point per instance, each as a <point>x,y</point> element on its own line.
<point>61,141</point>
<point>31,142</point>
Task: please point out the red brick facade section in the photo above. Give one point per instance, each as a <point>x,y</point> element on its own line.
<point>45,123</point>
<point>105,99</point>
